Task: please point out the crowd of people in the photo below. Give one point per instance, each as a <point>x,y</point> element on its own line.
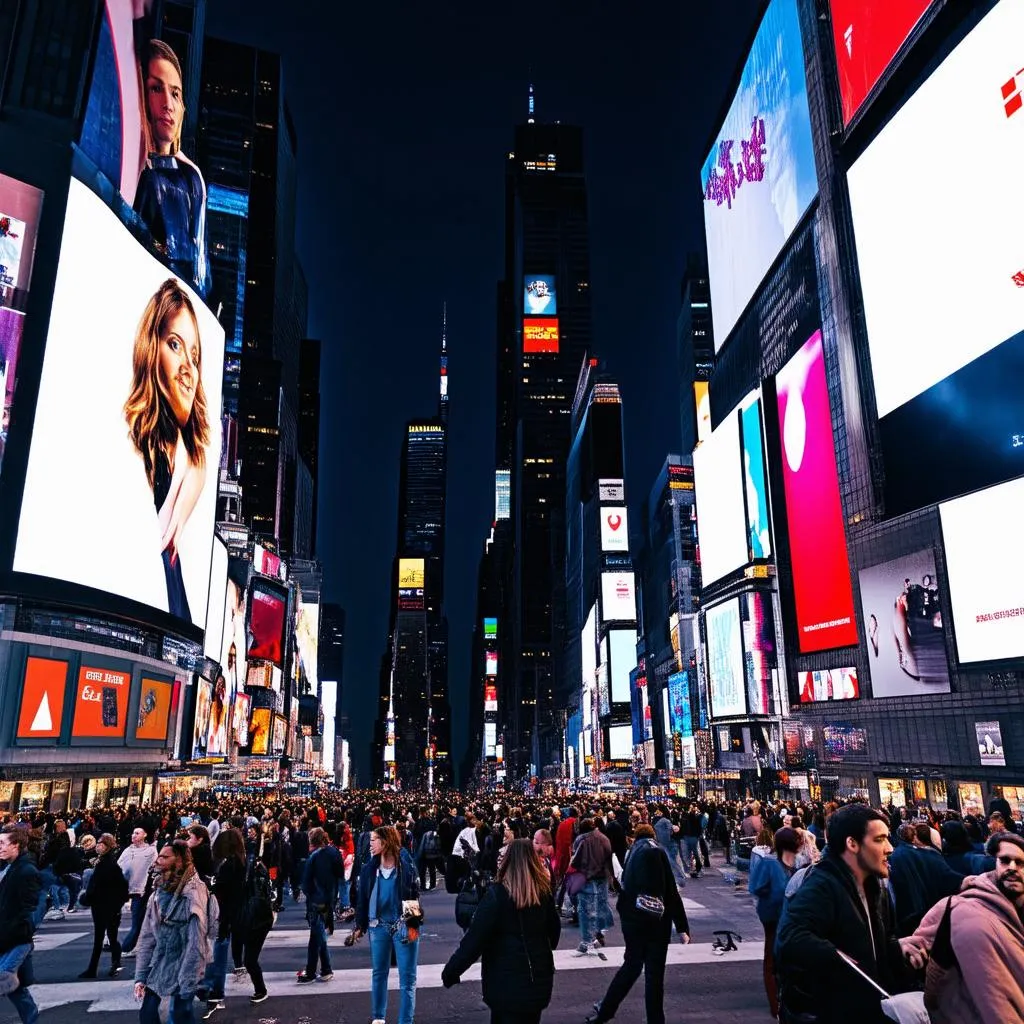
<point>930,904</point>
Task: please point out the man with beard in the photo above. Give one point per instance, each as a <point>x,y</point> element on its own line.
<point>983,977</point>
<point>841,907</point>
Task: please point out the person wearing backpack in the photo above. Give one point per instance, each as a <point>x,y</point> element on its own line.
<point>105,896</point>
<point>254,924</point>
<point>428,849</point>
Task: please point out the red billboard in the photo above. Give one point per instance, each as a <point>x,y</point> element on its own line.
<point>822,589</point>
<point>101,704</point>
<point>266,623</point>
<point>42,699</point>
<point>867,36</point>
<point>540,334</point>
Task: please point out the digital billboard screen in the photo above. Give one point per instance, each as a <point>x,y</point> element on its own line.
<point>620,743</point>
<point>867,36</point>
<point>588,653</point>
<point>759,658</point>
<point>491,627</point>
<point>145,376</point>
<point>220,720</point>
<point>491,663</point>
<point>821,570</point>
<point>232,657</point>
<point>201,720</point>
<point>945,339</point>
<point>702,401</point>
<point>101,704</point>
<point>680,717</point>
<point>614,528</point>
<point>902,620</point>
<point>622,659</point>
<point>42,698</point>
<point>985,566</point>
<point>841,740</point>
<point>267,612</point>
<point>759,534</point>
<point>213,636</point>
<point>828,684</point>
<point>279,735</point>
<point>240,719</point>
<point>259,730</point>
<point>490,739</point>
<point>618,597</point>
<point>721,521</point>
<point>490,697</point>
<point>540,335</point>
<point>725,660</point>
<point>540,295</point>
<point>411,583</point>
<point>154,718</point>
<point>760,176</point>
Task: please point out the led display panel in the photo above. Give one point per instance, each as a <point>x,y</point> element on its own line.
<point>411,583</point>
<point>491,663</point>
<point>540,295</point>
<point>945,335</point>
<point>240,719</point>
<point>154,709</point>
<point>491,627</point>
<point>867,36</point>
<point>101,704</point>
<point>201,721</point>
<point>902,620</point>
<point>620,743</point>
<point>985,566</point>
<point>680,717</point>
<point>755,479</point>
<point>725,660</point>
<point>622,659</point>
<point>259,730</point>
<point>841,740</point>
<point>42,699</point>
<point>614,528</point>
<point>721,520</point>
<point>220,720</point>
<point>828,684</point>
<point>144,373</point>
<point>588,651</point>
<point>490,697</point>
<point>989,737</point>
<point>490,739</point>
<point>279,735</point>
<point>307,639</point>
<point>702,401</point>
<point>232,657</point>
<point>821,570</point>
<point>760,175</point>
<point>618,597</point>
<point>540,335</point>
<point>267,622</point>
<point>759,659</point>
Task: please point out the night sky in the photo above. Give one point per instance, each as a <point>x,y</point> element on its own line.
<point>404,114</point>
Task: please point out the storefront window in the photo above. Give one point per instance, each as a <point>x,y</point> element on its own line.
<point>34,796</point>
<point>118,791</point>
<point>59,796</point>
<point>96,796</point>
<point>970,798</point>
<point>892,791</point>
<point>938,796</point>
<point>6,795</point>
<point>1013,795</point>
<point>147,792</point>
<point>135,790</point>
<point>920,792</point>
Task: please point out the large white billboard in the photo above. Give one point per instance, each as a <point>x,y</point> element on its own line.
<point>618,597</point>
<point>620,743</point>
<point>622,655</point>
<point>121,485</point>
<point>614,528</point>
<point>588,644</point>
<point>721,519</point>
<point>725,660</point>
<point>985,566</point>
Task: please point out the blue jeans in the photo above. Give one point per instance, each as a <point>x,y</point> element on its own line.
<point>693,853</point>
<point>344,894</point>
<point>678,871</point>
<point>19,995</point>
<point>217,969</point>
<point>317,949</point>
<point>180,1011</point>
<point>47,880</point>
<point>138,913</point>
<point>407,953</point>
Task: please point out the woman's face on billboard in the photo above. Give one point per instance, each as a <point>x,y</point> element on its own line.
<point>178,368</point>
<point>163,103</point>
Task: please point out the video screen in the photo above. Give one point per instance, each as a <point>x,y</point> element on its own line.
<point>101,704</point>
<point>141,375</point>
<point>817,537</point>
<point>220,719</point>
<point>622,657</point>
<point>760,176</point>
<point>721,520</point>
<point>681,719</point>
<point>759,658</point>
<point>841,740</point>
<point>828,684</point>
<point>154,709</point>
<point>540,335</point>
<point>540,297</point>
<point>213,636</point>
<point>491,663</point>
<point>279,736</point>
<point>42,698</point>
<point>614,528</point>
<point>618,597</point>
<point>759,534</point>
<point>490,698</point>
<point>233,638</point>
<point>201,721</point>
<point>985,565</point>
<point>867,36</point>
<point>798,739</point>
<point>259,730</point>
<point>945,337</point>
<point>725,660</point>
<point>620,743</point>
<point>240,719</point>
<point>902,620</point>
<point>267,611</point>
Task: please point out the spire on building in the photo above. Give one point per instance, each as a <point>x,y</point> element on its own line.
<point>443,408</point>
<point>530,119</point>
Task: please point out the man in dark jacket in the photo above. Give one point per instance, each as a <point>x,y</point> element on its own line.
<point>324,869</point>
<point>647,874</point>
<point>918,877</point>
<point>841,907</point>
<point>19,890</point>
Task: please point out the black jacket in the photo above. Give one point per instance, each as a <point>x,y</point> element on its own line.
<point>229,889</point>
<point>19,892</point>
<point>648,873</point>
<point>514,946</point>
<point>826,914</point>
<point>108,888</point>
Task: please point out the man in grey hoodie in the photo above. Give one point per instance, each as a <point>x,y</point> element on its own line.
<point>136,862</point>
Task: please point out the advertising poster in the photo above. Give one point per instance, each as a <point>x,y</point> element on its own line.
<point>101,703</point>
<point>540,297</point>
<point>540,335</point>
<point>614,528</point>
<point>491,663</point>
<point>280,733</point>
<point>213,635</point>
<point>220,719</point>
<point>240,719</point>
<point>259,731</point>
<point>902,620</point>
<point>201,721</point>
<point>985,566</point>
<point>867,36</point>
<point>267,622</point>
<point>798,740</point>
<point>491,628</point>
<point>611,490</point>
<point>620,743</point>
<point>233,639</point>
<point>725,660</point>
<point>490,697</point>
<point>947,374</point>
<point>307,634</point>
<point>759,658</point>
<point>760,175</point>
<point>42,699</point>
<point>141,380</point>
<point>828,684</point>
<point>817,536</point>
<point>154,709</point>
<point>841,740</point>
<point>702,402</point>
<point>990,744</point>
<point>759,535</point>
<point>618,597</point>
<point>679,703</point>
<point>411,583</point>
<point>490,739</point>
<point>622,658</point>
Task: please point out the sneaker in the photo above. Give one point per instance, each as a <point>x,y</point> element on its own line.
<point>54,915</point>
<point>327,976</point>
<point>259,997</point>
<point>71,910</point>
<point>378,1020</point>
<point>212,1006</point>
<point>303,978</point>
<point>239,974</point>
<point>125,953</point>
<point>114,971</point>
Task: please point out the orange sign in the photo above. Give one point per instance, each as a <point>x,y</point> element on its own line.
<point>154,709</point>
<point>101,704</point>
<point>540,334</point>
<point>42,699</point>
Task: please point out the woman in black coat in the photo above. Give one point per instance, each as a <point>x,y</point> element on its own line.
<point>105,896</point>
<point>514,931</point>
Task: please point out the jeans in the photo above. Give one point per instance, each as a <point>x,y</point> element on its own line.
<point>47,880</point>
<point>645,952</point>
<point>138,913</point>
<point>180,1011</point>
<point>296,878</point>
<point>317,948</point>
<point>10,964</point>
<point>693,860</point>
<point>678,871</point>
<point>217,969</point>
<point>344,894</point>
<point>427,864</point>
<point>382,940</point>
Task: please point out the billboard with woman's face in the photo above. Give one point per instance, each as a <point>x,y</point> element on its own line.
<point>120,488</point>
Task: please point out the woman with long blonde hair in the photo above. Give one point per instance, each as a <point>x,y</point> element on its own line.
<point>514,931</point>
<point>168,423</point>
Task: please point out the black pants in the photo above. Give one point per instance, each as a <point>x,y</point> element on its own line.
<point>515,1016</point>
<point>428,864</point>
<point>644,952</point>
<point>237,943</point>
<point>105,924</point>
<point>252,946</point>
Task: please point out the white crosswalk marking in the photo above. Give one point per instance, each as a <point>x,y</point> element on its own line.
<point>45,941</point>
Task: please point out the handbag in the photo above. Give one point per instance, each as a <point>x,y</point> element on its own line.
<point>943,966</point>
<point>465,905</point>
<point>574,883</point>
<point>412,913</point>
<point>650,906</point>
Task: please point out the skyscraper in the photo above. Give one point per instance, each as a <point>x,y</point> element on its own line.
<point>309,427</point>
<point>696,351</point>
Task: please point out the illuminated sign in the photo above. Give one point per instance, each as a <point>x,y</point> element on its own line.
<point>201,720</point>
<point>618,597</point>
<point>828,684</point>
<point>101,703</point>
<point>490,739</point>
<point>611,490</point>
<point>759,537</point>
<point>702,400</point>
<point>267,622</point>
<point>540,335</point>
<point>154,709</point>
<point>491,663</point>
<point>725,660</point>
<point>622,657</point>
<point>540,295</point>
<point>490,697</point>
<point>614,530</point>
<point>42,699</point>
<point>491,627</point>
<point>259,731</point>
<point>411,573</point>
<point>240,719</point>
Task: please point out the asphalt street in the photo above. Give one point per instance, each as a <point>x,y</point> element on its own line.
<point>700,986</point>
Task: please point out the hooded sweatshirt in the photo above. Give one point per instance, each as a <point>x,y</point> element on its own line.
<point>988,939</point>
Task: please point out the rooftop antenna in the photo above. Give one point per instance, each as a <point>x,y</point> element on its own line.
<point>530,118</point>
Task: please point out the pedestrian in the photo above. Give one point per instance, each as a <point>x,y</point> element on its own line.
<point>592,858</point>
<point>202,851</point>
<point>136,863</point>
<point>19,892</point>
<point>324,870</point>
<point>173,946</point>
<point>667,832</point>
<point>229,886</point>
<point>385,884</point>
<point>514,931</point>
<point>105,896</point>
<point>254,924</point>
<point>648,906</point>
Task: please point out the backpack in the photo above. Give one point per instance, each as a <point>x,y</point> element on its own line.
<point>431,845</point>
<point>258,899</point>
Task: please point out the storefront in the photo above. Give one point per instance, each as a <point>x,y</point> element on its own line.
<point>971,798</point>
<point>1013,795</point>
<point>178,788</point>
<point>892,791</point>
<point>119,791</point>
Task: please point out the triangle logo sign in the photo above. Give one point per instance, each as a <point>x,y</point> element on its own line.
<point>43,721</point>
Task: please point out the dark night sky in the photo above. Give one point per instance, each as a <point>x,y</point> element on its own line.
<point>404,113</point>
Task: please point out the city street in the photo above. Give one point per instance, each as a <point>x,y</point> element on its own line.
<point>699,985</point>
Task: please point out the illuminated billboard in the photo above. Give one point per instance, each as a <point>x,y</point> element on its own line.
<point>828,684</point>
<point>540,335</point>
<point>145,375</point>
<point>622,657</point>
<point>307,640</point>
<point>902,620</point>
<point>279,735</point>
<point>540,296</point>
<point>491,663</point>
<point>760,175</point>
<point>867,36</point>
<point>267,610</point>
<point>101,704</point>
<point>155,698</point>
<point>702,402</point>
<point>680,718</point>
<point>725,660</point>
<point>618,597</point>
<point>821,570</point>
<point>240,719</point>
<point>491,628</point>
<point>947,344</point>
<point>620,743</point>
<point>259,730</point>
<point>759,534</point>
<point>42,699</point>
<point>614,528</point>
<point>721,522</point>
<point>759,658</point>
<point>490,739</point>
<point>213,636</point>
<point>588,656</point>
<point>411,573</point>
<point>985,566</point>
<point>611,490</point>
<point>220,720</point>
<point>201,721</point>
<point>232,657</point>
<point>490,697</point>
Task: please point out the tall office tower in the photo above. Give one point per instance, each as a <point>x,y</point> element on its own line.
<point>182,24</point>
<point>309,424</point>
<point>247,147</point>
<point>696,351</point>
<point>543,333</point>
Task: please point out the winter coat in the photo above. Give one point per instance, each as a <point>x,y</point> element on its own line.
<point>229,888</point>
<point>647,872</point>
<point>918,878</point>
<point>988,939</point>
<point>768,880</point>
<point>19,893</point>
<point>408,885</point>
<point>668,839</point>
<point>563,844</point>
<point>107,889</point>
<point>136,862</point>
<point>325,868</point>
<point>514,947</point>
<point>173,945</point>
<point>593,856</point>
